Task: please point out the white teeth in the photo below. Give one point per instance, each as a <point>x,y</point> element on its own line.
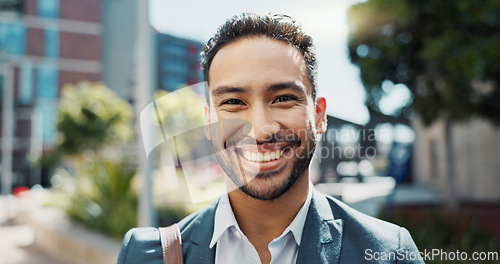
<point>267,156</point>
<point>262,157</point>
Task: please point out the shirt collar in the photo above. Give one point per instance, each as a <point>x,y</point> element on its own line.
<point>225,219</point>
<point>297,225</point>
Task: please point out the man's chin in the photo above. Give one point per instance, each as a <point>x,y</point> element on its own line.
<point>267,186</point>
<point>264,194</point>
<point>259,179</point>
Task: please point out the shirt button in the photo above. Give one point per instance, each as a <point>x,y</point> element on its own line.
<point>237,234</point>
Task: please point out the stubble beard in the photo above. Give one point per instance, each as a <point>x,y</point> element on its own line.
<point>300,166</point>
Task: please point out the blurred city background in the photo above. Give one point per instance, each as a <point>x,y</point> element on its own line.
<point>413,115</point>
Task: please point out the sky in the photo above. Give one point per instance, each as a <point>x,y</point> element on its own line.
<point>326,21</point>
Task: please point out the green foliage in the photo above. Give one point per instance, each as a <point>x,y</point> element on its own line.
<point>91,116</point>
<point>180,111</point>
<point>101,197</point>
<point>445,52</point>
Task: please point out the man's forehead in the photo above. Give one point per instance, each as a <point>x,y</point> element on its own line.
<point>257,61</point>
<point>258,43</point>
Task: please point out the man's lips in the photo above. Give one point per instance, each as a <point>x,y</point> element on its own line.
<point>262,156</point>
<point>266,147</point>
<point>257,162</point>
<point>263,152</point>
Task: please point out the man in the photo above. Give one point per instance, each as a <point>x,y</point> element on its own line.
<point>261,71</point>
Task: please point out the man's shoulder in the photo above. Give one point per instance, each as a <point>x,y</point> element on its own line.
<point>141,245</point>
<point>147,235</point>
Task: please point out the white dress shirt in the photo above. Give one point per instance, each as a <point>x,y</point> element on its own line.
<point>234,247</point>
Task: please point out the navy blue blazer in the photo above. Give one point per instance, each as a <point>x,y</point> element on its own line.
<point>352,237</point>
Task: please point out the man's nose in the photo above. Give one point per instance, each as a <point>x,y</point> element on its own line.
<point>264,123</point>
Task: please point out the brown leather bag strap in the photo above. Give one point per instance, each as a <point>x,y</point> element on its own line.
<point>171,244</point>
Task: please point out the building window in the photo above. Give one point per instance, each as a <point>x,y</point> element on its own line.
<point>176,50</point>
<point>47,82</point>
<point>47,109</point>
<point>47,93</point>
<point>11,5</point>
<point>12,38</point>
<point>51,43</point>
<point>48,8</point>
<point>175,66</point>
<point>26,83</point>
<point>1,87</point>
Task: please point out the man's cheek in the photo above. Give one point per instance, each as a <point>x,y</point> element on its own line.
<point>228,132</point>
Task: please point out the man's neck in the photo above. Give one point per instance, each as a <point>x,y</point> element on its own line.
<point>262,220</point>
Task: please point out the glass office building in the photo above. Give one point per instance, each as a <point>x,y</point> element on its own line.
<point>45,44</point>
<point>178,62</point>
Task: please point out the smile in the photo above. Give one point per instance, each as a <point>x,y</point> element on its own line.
<point>262,156</point>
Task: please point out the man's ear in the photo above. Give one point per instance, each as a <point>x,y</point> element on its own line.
<point>320,115</point>
<point>206,115</point>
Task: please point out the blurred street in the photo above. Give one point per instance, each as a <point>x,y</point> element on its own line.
<point>33,233</point>
<point>16,247</point>
<point>17,240</point>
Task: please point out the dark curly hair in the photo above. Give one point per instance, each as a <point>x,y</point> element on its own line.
<point>277,26</point>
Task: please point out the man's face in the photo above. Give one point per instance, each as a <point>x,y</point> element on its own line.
<point>263,83</point>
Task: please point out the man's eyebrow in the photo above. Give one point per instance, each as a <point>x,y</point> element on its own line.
<point>287,86</point>
<point>227,89</point>
<point>272,88</point>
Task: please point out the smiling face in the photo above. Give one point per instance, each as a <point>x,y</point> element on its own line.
<point>264,83</point>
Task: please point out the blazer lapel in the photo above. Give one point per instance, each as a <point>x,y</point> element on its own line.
<point>322,236</point>
<point>198,245</point>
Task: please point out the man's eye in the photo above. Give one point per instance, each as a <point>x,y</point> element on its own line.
<point>232,102</point>
<point>285,98</point>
